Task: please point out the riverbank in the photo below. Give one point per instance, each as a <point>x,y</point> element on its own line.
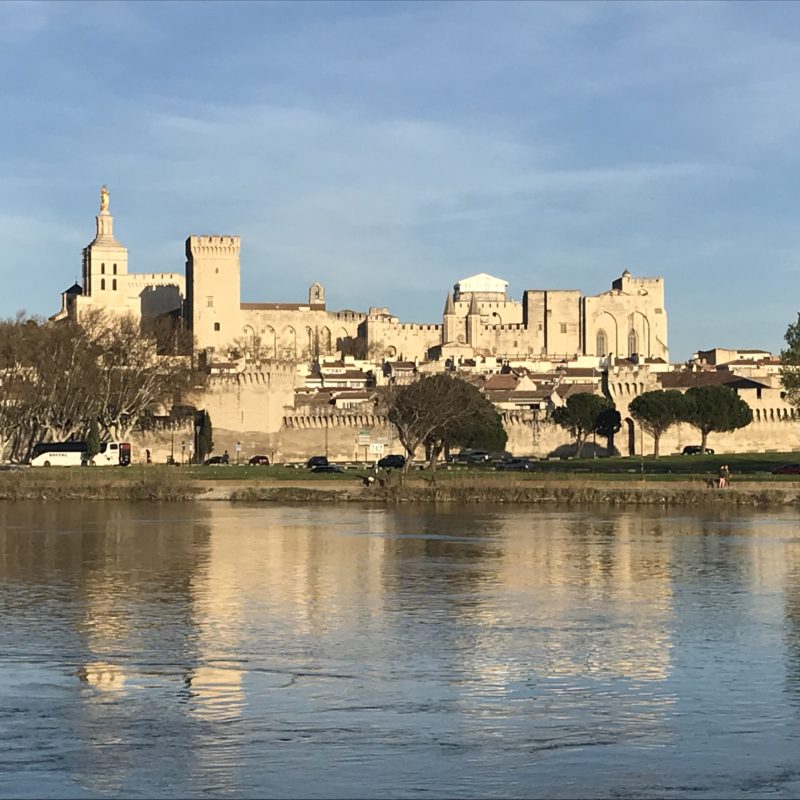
<point>174,486</point>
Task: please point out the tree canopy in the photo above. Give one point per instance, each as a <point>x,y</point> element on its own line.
<point>658,411</point>
<point>439,411</point>
<point>715,408</point>
<point>790,357</point>
<point>580,416</point>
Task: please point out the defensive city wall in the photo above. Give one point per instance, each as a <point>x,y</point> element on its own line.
<point>255,409</point>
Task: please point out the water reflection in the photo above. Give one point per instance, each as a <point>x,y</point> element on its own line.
<point>314,652</point>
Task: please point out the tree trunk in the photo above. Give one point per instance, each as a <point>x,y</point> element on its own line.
<point>579,443</point>
<point>703,441</point>
<point>656,440</point>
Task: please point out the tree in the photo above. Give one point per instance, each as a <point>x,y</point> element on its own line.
<point>205,441</point>
<point>132,378</point>
<point>608,424</point>
<point>658,411</point>
<point>715,408</point>
<point>579,416</point>
<point>54,377</point>
<point>439,411</point>
<point>92,439</point>
<point>790,357</point>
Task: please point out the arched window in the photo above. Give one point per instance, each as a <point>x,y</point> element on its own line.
<point>102,269</point>
<point>601,344</point>
<point>633,346</point>
<point>102,283</point>
<point>115,269</point>
<point>114,284</point>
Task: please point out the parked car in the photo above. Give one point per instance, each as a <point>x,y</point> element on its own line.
<point>392,462</point>
<point>317,461</point>
<point>470,457</point>
<point>259,461</point>
<point>787,469</point>
<point>326,469</point>
<point>695,450</point>
<point>214,461</point>
<point>516,465</point>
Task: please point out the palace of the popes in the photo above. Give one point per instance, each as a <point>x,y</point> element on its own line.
<point>295,379</point>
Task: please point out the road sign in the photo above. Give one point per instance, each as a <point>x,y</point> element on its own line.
<point>363,438</point>
<point>376,448</point>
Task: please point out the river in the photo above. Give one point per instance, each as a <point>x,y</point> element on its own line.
<point>212,649</point>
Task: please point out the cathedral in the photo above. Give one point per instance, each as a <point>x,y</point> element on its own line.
<point>479,318</point>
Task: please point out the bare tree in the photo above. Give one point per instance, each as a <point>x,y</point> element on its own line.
<point>438,411</point>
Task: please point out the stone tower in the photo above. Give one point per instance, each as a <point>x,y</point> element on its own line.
<point>474,322</point>
<point>105,266</point>
<point>316,294</point>
<point>450,321</point>
<point>213,308</point>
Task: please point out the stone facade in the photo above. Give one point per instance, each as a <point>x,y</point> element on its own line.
<point>266,344</point>
<point>107,285</point>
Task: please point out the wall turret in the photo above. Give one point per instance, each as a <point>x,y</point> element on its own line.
<point>450,320</point>
<point>474,322</point>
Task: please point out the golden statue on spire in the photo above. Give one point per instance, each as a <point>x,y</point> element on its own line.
<point>103,198</point>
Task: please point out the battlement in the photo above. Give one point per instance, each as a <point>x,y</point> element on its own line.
<point>413,326</point>
<point>514,326</point>
<point>335,420</point>
<point>212,246</point>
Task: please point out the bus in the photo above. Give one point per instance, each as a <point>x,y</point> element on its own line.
<point>75,454</point>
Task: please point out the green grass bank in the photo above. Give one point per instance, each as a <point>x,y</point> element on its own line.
<point>679,481</point>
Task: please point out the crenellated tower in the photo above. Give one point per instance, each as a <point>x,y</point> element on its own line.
<point>213,307</point>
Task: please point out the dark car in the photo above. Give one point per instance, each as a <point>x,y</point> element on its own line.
<point>392,462</point>
<point>470,457</point>
<point>214,461</point>
<point>259,461</point>
<point>516,465</point>
<point>695,450</point>
<point>317,461</point>
<point>326,469</point>
<point>787,469</point>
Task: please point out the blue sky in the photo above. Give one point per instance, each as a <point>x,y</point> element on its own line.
<point>389,149</point>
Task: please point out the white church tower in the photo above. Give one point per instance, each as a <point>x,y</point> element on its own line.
<point>105,267</point>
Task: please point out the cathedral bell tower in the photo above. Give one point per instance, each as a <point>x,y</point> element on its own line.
<point>105,263</point>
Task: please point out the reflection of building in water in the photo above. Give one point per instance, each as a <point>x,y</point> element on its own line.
<point>605,593</point>
<point>263,593</point>
<point>791,554</point>
<point>306,577</point>
<point>123,624</point>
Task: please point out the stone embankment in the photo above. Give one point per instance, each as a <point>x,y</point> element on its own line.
<point>566,493</point>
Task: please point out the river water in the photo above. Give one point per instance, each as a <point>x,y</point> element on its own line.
<point>152,650</point>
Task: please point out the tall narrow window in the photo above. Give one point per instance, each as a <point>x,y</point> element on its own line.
<point>632,343</point>
<point>602,344</point>
<point>114,284</point>
<point>115,269</point>
<point>216,326</point>
<point>102,283</point>
<point>102,269</point>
